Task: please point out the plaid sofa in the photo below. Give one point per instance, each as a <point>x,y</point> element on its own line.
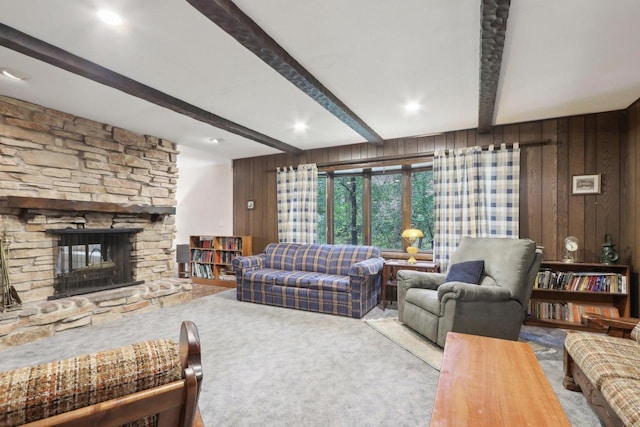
<point>612,367</point>
<point>333,279</point>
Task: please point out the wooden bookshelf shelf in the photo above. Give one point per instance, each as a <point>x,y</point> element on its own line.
<point>210,258</point>
<point>564,290</point>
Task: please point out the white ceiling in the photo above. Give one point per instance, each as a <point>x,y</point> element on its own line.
<point>561,57</point>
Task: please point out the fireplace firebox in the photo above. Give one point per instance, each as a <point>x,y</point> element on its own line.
<point>91,260</point>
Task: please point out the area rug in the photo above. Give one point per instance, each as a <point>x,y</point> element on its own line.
<point>546,343</point>
<point>410,340</point>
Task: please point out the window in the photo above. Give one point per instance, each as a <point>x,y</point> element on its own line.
<point>422,206</point>
<point>365,206</point>
<point>386,208</point>
<point>322,209</point>
<point>347,208</point>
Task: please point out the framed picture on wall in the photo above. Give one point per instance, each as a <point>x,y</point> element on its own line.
<point>586,184</point>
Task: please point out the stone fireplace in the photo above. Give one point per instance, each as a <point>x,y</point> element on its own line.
<point>67,186</point>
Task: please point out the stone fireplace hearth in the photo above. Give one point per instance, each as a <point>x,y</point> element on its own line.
<point>64,174</point>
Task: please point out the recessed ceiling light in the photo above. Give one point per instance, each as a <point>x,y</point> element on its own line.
<point>215,140</point>
<point>300,126</point>
<point>109,17</point>
<point>412,106</point>
<point>13,74</point>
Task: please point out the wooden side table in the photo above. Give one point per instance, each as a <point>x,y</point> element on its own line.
<point>391,268</point>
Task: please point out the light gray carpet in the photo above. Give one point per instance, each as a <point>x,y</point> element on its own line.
<point>270,366</point>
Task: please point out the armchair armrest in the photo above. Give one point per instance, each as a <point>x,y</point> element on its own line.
<point>471,292</point>
<point>620,327</point>
<point>368,267</point>
<point>408,279</point>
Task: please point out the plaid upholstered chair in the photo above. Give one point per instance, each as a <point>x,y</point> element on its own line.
<point>606,368</point>
<point>485,291</point>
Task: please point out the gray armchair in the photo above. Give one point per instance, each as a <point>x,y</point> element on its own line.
<point>496,307</point>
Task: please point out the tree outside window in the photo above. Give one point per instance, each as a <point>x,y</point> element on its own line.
<point>322,209</point>
<point>422,206</point>
<point>347,210</point>
<point>386,210</point>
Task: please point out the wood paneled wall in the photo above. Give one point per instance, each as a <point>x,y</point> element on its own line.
<point>604,143</point>
<point>630,197</point>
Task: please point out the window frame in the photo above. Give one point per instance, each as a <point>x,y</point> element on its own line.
<point>366,171</point>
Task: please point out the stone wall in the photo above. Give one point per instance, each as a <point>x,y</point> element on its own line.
<point>50,154</point>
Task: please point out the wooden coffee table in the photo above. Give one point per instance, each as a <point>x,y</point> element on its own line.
<point>493,382</point>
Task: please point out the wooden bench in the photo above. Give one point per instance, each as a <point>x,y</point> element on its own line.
<point>100,389</point>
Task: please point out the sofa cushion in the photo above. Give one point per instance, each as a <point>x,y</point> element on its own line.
<point>299,279</point>
<point>427,299</point>
<point>602,357</point>
<point>466,271</point>
<point>41,391</point>
<point>623,395</point>
<point>262,275</point>
<point>312,258</point>
<point>330,282</point>
<point>281,256</point>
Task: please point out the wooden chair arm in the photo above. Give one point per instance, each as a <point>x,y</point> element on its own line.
<point>614,326</point>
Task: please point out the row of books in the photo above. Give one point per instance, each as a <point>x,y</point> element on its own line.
<point>225,257</point>
<point>223,243</point>
<point>201,256</point>
<point>230,243</point>
<point>202,270</point>
<point>198,255</point>
<point>581,281</point>
<point>567,311</point>
<point>206,243</point>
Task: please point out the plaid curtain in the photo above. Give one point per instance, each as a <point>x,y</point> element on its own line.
<point>476,193</point>
<point>297,204</point>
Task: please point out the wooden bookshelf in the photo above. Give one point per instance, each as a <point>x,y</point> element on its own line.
<point>210,258</point>
<point>562,289</point>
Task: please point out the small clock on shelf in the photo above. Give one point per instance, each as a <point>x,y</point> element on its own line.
<point>570,249</point>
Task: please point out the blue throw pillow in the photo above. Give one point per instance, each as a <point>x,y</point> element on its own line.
<point>467,272</point>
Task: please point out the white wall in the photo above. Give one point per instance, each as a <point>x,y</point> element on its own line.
<point>205,198</point>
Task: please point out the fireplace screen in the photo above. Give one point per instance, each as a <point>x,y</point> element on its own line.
<point>92,260</point>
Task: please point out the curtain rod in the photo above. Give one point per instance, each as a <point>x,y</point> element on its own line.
<point>423,155</point>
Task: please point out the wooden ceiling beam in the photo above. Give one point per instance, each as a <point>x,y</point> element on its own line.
<point>493,27</point>
<point>226,15</point>
<point>38,49</point>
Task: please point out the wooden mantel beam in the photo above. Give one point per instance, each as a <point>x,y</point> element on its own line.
<point>83,206</point>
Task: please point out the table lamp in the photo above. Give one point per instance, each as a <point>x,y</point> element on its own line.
<point>412,234</point>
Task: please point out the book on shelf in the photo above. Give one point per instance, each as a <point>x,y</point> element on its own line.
<point>202,271</point>
<point>567,311</point>
<point>206,242</point>
<point>198,255</point>
<point>581,281</point>
<point>577,310</point>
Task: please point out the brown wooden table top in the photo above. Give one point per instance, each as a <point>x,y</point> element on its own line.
<point>493,382</point>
